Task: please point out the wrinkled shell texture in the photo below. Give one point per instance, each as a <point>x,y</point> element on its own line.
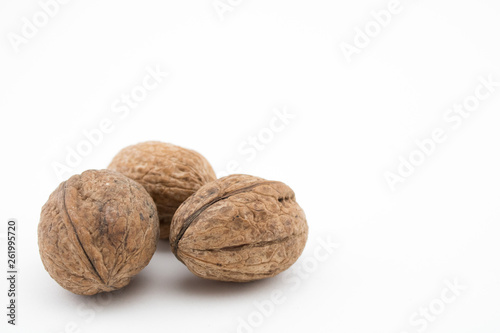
<point>96,231</point>
<point>169,173</point>
<point>239,228</point>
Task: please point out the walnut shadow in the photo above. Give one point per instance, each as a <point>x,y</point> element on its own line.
<point>121,297</point>
<point>163,246</point>
<point>195,286</point>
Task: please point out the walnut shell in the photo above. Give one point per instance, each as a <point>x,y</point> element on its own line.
<point>97,231</point>
<point>239,228</point>
<point>169,173</point>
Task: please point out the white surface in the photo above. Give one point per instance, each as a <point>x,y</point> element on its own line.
<point>352,121</point>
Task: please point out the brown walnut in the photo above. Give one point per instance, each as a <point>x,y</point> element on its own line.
<point>97,231</point>
<point>239,228</point>
<point>169,173</point>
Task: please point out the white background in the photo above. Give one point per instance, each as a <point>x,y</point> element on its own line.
<point>351,123</point>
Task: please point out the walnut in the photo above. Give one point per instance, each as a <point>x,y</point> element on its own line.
<point>97,231</point>
<point>239,228</point>
<point>169,173</point>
